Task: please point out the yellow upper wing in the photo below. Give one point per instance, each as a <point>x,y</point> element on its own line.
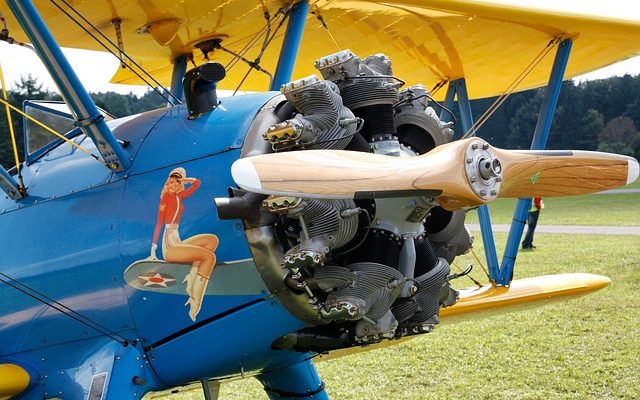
<point>429,41</point>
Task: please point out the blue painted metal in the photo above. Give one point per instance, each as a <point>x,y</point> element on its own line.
<point>448,102</point>
<point>230,345</point>
<point>466,116</point>
<point>552,93</point>
<point>466,119</point>
<point>290,45</point>
<point>513,241</point>
<point>489,242</point>
<point>214,132</point>
<point>67,370</point>
<point>540,136</point>
<point>179,69</point>
<point>87,115</point>
<point>93,225</point>
<point>9,185</point>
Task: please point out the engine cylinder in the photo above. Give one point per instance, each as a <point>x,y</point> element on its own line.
<point>323,123</point>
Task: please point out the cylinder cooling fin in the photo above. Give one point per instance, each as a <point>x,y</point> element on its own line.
<point>357,271</point>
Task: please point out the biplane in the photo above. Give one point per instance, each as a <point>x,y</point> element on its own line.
<point>220,237</point>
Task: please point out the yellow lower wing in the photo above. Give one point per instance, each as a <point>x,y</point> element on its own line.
<point>523,292</point>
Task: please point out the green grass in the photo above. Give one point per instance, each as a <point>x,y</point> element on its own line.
<point>586,348</point>
<point>595,209</point>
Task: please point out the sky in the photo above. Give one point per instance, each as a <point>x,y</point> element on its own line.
<point>95,68</point>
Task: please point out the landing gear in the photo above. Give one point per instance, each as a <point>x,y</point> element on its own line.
<point>298,381</point>
<point>210,388</point>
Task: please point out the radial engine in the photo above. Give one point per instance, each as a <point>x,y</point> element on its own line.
<point>356,271</point>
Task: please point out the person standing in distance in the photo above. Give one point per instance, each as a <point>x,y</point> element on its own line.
<point>532,221</point>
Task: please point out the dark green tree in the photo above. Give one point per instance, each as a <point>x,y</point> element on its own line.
<point>497,130</point>
<point>523,123</point>
<point>149,101</point>
<point>592,123</point>
<point>115,104</point>
<point>619,135</point>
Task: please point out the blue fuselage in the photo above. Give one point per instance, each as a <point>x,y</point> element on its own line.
<point>81,226</point>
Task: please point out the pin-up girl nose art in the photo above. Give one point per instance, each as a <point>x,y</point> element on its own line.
<point>198,250</point>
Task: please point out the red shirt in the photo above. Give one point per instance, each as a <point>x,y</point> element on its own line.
<point>537,203</point>
<point>171,208</point>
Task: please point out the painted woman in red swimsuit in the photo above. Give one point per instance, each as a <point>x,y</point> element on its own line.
<point>197,250</point>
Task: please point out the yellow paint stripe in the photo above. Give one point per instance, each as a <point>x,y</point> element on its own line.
<point>13,380</point>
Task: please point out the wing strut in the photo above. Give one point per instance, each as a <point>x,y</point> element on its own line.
<point>503,274</point>
<point>179,69</point>
<point>9,185</point>
<point>539,142</point>
<point>87,116</point>
<point>290,45</point>
<point>459,88</point>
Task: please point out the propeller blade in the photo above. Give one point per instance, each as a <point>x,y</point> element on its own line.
<point>464,173</point>
<point>349,174</point>
<point>551,173</point>
<point>325,173</point>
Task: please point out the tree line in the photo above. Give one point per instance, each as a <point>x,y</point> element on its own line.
<point>600,115</point>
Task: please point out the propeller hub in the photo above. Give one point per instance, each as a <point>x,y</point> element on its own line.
<point>483,169</point>
<point>489,168</point>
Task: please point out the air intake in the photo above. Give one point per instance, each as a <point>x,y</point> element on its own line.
<point>199,86</point>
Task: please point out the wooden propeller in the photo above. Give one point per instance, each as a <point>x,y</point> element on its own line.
<point>464,173</point>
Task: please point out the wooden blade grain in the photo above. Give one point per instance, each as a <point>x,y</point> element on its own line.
<point>551,173</point>
<point>346,174</point>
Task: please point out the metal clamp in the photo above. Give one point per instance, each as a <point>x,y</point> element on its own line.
<point>83,123</point>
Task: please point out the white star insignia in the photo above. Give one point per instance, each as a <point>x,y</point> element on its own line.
<point>156,279</point>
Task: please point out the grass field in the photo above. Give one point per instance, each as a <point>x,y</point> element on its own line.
<point>585,348</point>
<point>595,209</point>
